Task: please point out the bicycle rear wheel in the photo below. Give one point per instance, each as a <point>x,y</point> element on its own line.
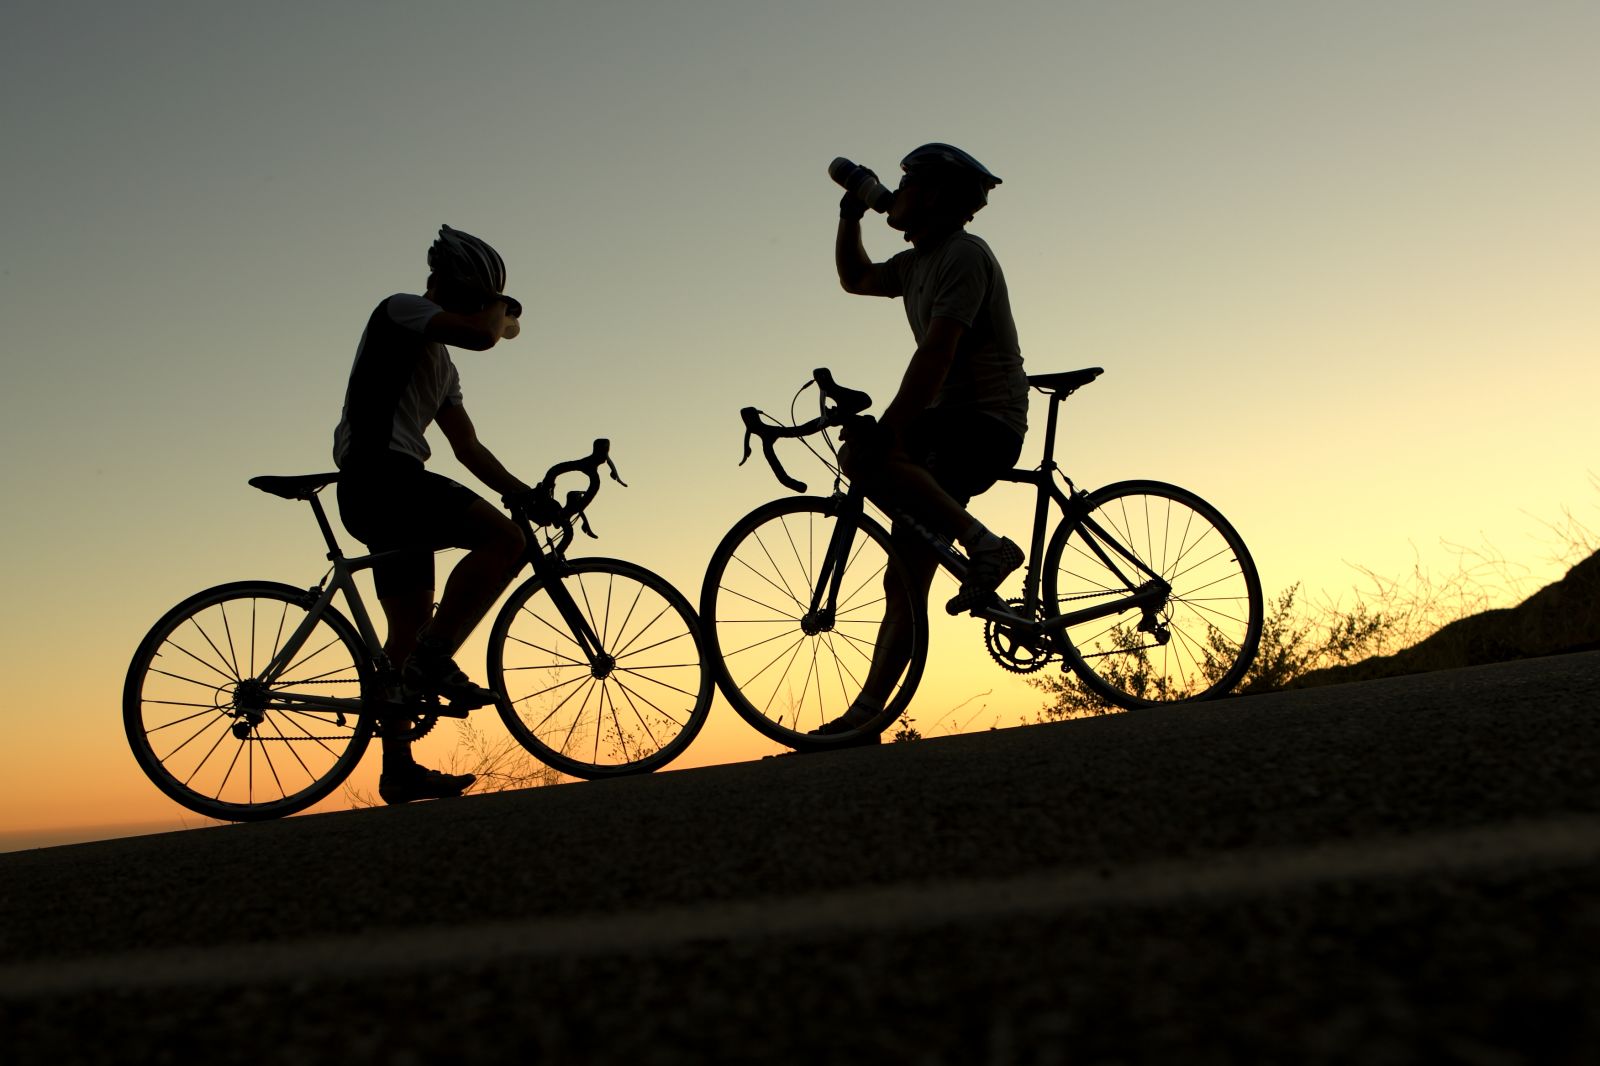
<point>636,705</point>
<point>216,738</point>
<point>785,666</point>
<point>1197,644</point>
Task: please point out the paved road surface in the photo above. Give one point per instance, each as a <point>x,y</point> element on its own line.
<point>1394,872</point>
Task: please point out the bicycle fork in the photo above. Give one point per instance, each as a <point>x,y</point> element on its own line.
<point>601,662</point>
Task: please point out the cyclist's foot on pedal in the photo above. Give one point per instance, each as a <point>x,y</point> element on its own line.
<point>419,783</point>
<point>988,564</point>
<point>861,713</point>
<point>429,671</point>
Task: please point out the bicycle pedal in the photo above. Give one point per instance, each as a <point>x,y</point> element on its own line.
<point>993,609</point>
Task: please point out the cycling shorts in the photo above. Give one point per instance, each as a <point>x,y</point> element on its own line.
<point>394,504</point>
<point>966,451</point>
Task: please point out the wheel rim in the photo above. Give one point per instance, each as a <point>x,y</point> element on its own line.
<point>635,706</point>
<point>788,668</point>
<point>1196,643</point>
<point>222,742</point>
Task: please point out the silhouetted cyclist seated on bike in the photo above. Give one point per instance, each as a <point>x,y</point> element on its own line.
<point>403,380</point>
<point>957,422</point>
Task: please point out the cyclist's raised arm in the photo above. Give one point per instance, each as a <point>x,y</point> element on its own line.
<point>478,331</point>
<point>473,454</point>
<point>858,274</point>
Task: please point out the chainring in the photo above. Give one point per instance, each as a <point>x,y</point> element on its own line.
<point>1018,655</point>
<point>412,727</point>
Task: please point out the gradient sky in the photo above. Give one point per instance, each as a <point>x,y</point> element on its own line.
<point>1341,263</point>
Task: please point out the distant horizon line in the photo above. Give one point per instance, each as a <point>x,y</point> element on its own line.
<point>15,840</point>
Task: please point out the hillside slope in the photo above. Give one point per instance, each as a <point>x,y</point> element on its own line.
<point>1561,617</point>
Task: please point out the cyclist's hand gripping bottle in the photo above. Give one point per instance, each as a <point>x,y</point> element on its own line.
<point>860,183</point>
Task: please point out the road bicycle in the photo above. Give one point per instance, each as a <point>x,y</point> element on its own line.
<point>1143,590</point>
<point>256,699</point>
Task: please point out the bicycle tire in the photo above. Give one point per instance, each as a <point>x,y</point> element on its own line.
<point>640,713</point>
<point>186,702</point>
<point>754,604</point>
<point>1213,616</point>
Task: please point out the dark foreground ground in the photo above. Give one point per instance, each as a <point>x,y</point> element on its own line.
<point>1402,871</point>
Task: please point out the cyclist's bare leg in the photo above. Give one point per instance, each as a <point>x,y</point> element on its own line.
<point>892,651</point>
<point>404,615</point>
<point>494,548</point>
<point>892,480</point>
<point>897,481</point>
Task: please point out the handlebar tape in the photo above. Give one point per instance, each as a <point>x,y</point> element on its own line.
<point>769,436</point>
<point>540,504</point>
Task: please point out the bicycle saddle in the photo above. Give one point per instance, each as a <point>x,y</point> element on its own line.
<point>297,487</point>
<point>1066,382</point>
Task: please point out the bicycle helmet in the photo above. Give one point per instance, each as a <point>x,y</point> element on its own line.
<point>952,168</point>
<point>467,260</point>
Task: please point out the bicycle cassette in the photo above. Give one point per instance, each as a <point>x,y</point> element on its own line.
<point>1019,653</point>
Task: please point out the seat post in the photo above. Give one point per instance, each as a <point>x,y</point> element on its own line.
<point>322,523</point>
<point>1049,460</point>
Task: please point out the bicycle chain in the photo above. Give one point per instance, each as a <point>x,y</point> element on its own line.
<point>1014,656</point>
<point>420,725</point>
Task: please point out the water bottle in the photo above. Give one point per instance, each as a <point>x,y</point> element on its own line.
<point>860,183</point>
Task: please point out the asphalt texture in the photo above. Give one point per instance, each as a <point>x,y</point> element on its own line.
<point>1399,871</point>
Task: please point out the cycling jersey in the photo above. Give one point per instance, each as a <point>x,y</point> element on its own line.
<point>959,278</point>
<point>398,385</point>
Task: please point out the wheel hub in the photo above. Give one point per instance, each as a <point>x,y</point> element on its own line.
<point>249,705</point>
<point>815,622</point>
<point>602,666</point>
<point>250,698</point>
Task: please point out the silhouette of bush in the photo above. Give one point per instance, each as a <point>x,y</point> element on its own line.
<point>1329,641</point>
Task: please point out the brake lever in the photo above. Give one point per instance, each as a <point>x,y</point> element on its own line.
<point>614,475</point>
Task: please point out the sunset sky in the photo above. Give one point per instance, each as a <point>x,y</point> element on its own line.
<point>1341,263</point>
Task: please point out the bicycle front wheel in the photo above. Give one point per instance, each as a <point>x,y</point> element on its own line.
<point>216,735</point>
<point>1196,643</point>
<point>794,609</point>
<point>604,670</point>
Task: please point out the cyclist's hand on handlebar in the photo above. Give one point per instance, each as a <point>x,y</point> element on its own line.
<point>538,506</point>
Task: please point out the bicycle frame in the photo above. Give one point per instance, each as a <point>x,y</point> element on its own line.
<point>1145,595</point>
<point>341,579</point>
<point>551,565</point>
<point>1074,508</point>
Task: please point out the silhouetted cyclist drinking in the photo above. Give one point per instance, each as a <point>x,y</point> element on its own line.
<point>403,380</point>
<point>957,422</point>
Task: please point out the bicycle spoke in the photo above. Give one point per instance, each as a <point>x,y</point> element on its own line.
<point>628,694</point>
<point>783,588</point>
<point>634,693</point>
<point>639,673</point>
<point>788,631</point>
<point>784,673</point>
